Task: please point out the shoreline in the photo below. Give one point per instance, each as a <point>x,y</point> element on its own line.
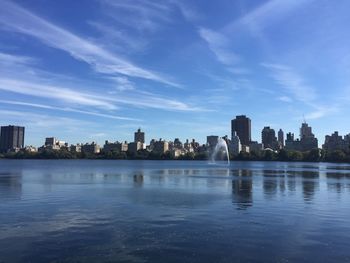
<point>172,160</point>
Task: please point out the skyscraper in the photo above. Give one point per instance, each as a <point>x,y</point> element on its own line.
<point>242,126</point>
<point>139,136</point>
<point>281,138</point>
<point>305,131</point>
<point>11,137</point>
<point>268,138</point>
<point>235,145</point>
<point>307,140</point>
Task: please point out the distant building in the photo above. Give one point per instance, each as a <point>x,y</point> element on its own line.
<point>139,136</point>
<point>175,153</point>
<point>268,138</point>
<point>234,146</point>
<point>307,140</point>
<point>171,146</point>
<point>305,131</point>
<point>256,147</point>
<point>51,143</point>
<point>134,147</point>
<point>281,138</point>
<point>245,149</point>
<point>291,144</point>
<point>188,146</point>
<point>151,145</point>
<point>212,141</point>
<point>30,149</point>
<point>336,142</point>
<point>347,140</point>
<point>242,126</point>
<point>177,144</point>
<point>90,148</point>
<point>115,146</point>
<point>75,148</point>
<point>202,149</point>
<point>195,145</point>
<point>160,146</point>
<point>11,138</point>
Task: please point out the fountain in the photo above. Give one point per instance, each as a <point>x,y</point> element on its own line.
<point>220,147</point>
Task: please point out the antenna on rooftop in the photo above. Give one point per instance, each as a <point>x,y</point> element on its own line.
<point>304,118</point>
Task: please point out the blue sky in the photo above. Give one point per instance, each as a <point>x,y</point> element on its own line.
<point>99,69</point>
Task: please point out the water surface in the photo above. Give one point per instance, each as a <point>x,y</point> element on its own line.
<point>173,211</point>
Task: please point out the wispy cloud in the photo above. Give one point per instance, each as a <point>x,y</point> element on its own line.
<point>9,60</point>
<point>65,109</point>
<point>238,70</point>
<point>269,12</point>
<point>150,100</point>
<point>187,11</point>
<point>140,15</point>
<point>17,19</point>
<point>292,82</point>
<point>320,112</point>
<point>219,45</point>
<point>285,99</point>
<point>123,83</point>
<point>112,101</point>
<point>118,39</point>
<point>225,83</point>
<point>34,120</point>
<point>253,21</point>
<point>296,86</point>
<point>54,92</point>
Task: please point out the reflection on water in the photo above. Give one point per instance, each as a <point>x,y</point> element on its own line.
<point>242,189</point>
<point>138,179</point>
<point>149,211</point>
<point>10,185</point>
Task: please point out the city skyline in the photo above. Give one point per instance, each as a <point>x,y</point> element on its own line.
<point>99,69</point>
<point>270,138</point>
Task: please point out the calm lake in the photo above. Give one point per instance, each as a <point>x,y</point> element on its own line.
<point>173,211</point>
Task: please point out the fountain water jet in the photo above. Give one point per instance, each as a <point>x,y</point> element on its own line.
<point>220,147</point>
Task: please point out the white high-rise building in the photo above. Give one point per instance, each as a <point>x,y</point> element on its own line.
<point>235,145</point>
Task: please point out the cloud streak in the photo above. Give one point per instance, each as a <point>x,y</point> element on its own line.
<point>84,98</point>
<point>18,19</point>
<point>291,82</point>
<point>43,106</point>
<point>9,60</point>
<point>54,92</point>
<point>140,15</point>
<point>219,45</point>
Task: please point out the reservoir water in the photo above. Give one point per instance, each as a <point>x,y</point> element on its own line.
<point>173,211</point>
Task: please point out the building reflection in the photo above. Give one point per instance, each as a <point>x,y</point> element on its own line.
<point>138,179</point>
<point>275,181</point>
<point>242,189</point>
<point>270,184</point>
<point>11,185</point>
<point>336,181</point>
<point>291,183</point>
<point>310,180</point>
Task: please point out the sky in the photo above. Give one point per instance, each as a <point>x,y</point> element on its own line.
<point>96,70</point>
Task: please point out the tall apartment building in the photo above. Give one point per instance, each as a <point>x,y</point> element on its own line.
<point>11,137</point>
<point>242,126</point>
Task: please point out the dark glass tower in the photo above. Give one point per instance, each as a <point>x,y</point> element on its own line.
<point>242,126</point>
<point>11,137</point>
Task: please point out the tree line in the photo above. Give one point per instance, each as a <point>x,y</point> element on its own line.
<point>315,155</point>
